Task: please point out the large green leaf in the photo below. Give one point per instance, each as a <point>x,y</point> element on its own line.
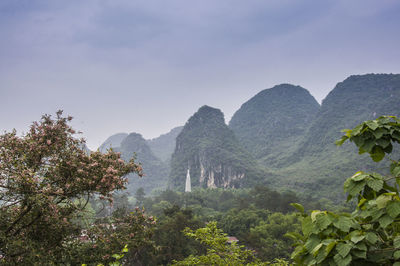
<point>340,261</point>
<point>383,200</point>
<point>375,183</point>
<point>357,238</point>
<point>372,124</point>
<point>343,249</point>
<point>385,220</point>
<point>307,226</point>
<point>371,237</point>
<point>393,208</point>
<point>377,153</point>
<point>343,223</point>
<point>322,221</point>
<point>396,242</point>
<point>312,242</point>
<point>379,132</point>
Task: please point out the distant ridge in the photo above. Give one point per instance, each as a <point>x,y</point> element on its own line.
<point>271,123</point>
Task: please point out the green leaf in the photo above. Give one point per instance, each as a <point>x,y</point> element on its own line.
<point>396,255</point>
<point>377,153</point>
<point>396,264</point>
<point>307,226</point>
<point>383,200</point>
<point>343,223</point>
<point>340,141</point>
<point>329,247</point>
<point>357,238</point>
<point>340,261</point>
<point>371,237</point>
<point>358,176</point>
<point>359,253</point>
<point>393,208</point>
<point>374,183</point>
<point>396,242</point>
<point>316,249</point>
<point>372,124</point>
<point>385,220</point>
<point>311,243</point>
<point>322,221</point>
<point>314,215</point>
<point>361,246</point>
<point>343,249</point>
<point>298,206</point>
<point>379,132</point>
<point>396,171</point>
<point>383,142</point>
<point>368,145</point>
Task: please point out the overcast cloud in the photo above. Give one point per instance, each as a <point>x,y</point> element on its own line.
<point>146,66</point>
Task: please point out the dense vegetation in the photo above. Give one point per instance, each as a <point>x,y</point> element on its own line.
<point>271,123</point>
<point>371,234</point>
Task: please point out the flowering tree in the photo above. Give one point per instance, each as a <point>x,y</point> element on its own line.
<point>46,179</point>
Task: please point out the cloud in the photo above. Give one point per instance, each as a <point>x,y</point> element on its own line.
<point>146,66</point>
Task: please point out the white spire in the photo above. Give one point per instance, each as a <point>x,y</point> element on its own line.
<point>188,187</point>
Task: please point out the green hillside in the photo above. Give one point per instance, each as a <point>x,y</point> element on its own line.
<point>271,123</point>
<point>156,172</point>
<point>210,149</point>
<point>318,166</point>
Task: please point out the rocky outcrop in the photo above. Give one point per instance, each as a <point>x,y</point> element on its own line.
<point>211,151</point>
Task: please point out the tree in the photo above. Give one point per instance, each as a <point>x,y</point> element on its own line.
<point>371,234</point>
<point>140,196</point>
<point>219,252</point>
<point>46,179</point>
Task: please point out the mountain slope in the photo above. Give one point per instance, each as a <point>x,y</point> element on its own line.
<point>318,165</point>
<point>212,153</point>
<point>112,142</point>
<point>271,123</point>
<point>164,145</point>
<point>156,172</point>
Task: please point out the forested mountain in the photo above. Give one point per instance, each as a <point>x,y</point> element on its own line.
<point>112,142</point>
<point>164,145</point>
<point>156,172</point>
<point>271,123</point>
<point>209,148</point>
<point>317,164</point>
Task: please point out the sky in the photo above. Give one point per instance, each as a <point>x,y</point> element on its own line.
<point>147,66</point>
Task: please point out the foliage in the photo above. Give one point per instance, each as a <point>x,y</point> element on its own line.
<point>172,243</point>
<point>268,237</point>
<point>45,180</point>
<point>371,234</point>
<point>218,251</point>
<point>110,234</point>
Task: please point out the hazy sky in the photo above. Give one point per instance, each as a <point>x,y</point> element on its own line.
<point>147,66</point>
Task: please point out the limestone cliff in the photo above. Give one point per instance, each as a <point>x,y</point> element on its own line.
<point>212,153</point>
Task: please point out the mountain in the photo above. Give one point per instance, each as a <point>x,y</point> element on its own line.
<point>156,172</point>
<point>112,142</point>
<point>271,124</point>
<point>209,148</point>
<point>317,165</point>
<point>164,145</point>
